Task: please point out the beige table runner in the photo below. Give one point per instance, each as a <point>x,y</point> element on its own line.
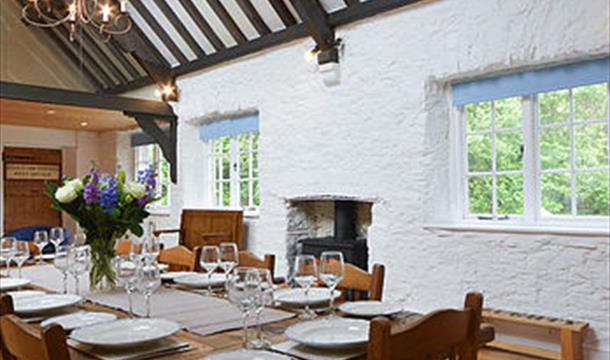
<point>200,314</point>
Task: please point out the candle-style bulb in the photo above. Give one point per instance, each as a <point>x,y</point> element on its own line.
<point>106,12</point>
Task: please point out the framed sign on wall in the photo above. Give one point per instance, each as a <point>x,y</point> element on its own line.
<point>32,172</point>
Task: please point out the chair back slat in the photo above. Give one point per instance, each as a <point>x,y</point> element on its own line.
<point>360,284</point>
<point>248,259</point>
<point>23,342</point>
<point>179,258</point>
<point>6,308</point>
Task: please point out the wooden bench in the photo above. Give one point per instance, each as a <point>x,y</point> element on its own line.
<point>570,334</point>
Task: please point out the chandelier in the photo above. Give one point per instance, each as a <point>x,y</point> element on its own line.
<point>109,17</point>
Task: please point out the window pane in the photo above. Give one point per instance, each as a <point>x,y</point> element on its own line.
<point>226,168</point>
<point>244,142</point>
<point>591,102</point>
<point>509,113</point>
<point>554,107</point>
<point>226,193</point>
<point>556,194</point>
<point>243,194</point>
<point>479,194</point>
<point>254,141</point>
<point>508,151</point>
<point>256,193</point>
<point>255,164</point>
<point>244,165</point>
<point>593,193</point>
<point>478,116</point>
<point>164,182</point>
<point>217,193</point>
<point>509,194</point>
<point>591,145</point>
<point>555,148</point>
<point>479,153</point>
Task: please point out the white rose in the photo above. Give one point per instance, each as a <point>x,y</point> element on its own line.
<point>135,189</point>
<point>77,184</point>
<point>66,194</point>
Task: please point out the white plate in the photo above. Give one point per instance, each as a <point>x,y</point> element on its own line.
<point>330,333</point>
<point>174,274</point>
<point>162,267</point>
<point>79,319</point>
<point>246,355</point>
<point>125,332</point>
<point>12,283</point>
<point>296,297</point>
<point>200,280</point>
<point>37,304</point>
<point>22,294</point>
<point>370,308</point>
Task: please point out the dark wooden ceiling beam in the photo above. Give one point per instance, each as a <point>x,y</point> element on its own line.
<point>351,2</point>
<point>283,12</point>
<point>122,57</point>
<point>227,21</point>
<point>179,26</point>
<point>315,19</point>
<point>86,40</point>
<point>159,31</point>
<point>202,24</point>
<point>254,17</point>
<point>366,9</point>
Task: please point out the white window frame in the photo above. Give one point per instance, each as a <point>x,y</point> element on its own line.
<point>532,191</point>
<point>215,159</point>
<point>156,207</point>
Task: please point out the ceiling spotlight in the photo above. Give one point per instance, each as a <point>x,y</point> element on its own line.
<point>311,54</point>
<point>168,92</point>
<point>84,123</point>
<point>50,112</point>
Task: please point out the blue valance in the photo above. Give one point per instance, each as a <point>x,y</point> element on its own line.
<point>229,127</point>
<point>532,81</point>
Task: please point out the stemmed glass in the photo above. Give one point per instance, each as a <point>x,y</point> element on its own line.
<point>126,271</point>
<point>243,287</point>
<point>229,257</point>
<point>61,261</point>
<point>7,250</point>
<point>209,261</point>
<point>21,254</point>
<point>79,259</point>
<point>148,279</point>
<point>151,248</point>
<point>305,274</point>
<point>332,271</point>
<point>265,298</point>
<point>56,236</point>
<point>41,239</point>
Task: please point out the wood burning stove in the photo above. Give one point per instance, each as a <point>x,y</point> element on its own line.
<point>345,239</point>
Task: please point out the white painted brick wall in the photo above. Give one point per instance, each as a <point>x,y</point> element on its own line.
<point>382,134</point>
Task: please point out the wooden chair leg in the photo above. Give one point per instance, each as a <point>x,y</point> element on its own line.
<point>571,345</point>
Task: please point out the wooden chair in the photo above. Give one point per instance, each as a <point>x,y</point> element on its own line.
<point>6,308</point>
<point>123,247</point>
<point>179,258</point>
<point>248,259</point>
<point>208,227</point>
<point>443,334</point>
<point>362,283</point>
<point>23,342</point>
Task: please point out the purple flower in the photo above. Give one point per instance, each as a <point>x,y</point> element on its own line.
<point>147,177</point>
<point>91,193</point>
<point>94,174</point>
<point>110,194</point>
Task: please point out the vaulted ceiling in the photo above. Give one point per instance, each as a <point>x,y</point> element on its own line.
<point>174,37</point>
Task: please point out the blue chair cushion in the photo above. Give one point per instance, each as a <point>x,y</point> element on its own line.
<point>27,234</point>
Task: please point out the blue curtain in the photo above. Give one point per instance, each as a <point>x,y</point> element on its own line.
<point>228,127</point>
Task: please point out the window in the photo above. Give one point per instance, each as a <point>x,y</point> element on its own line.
<point>151,155</point>
<point>538,157</point>
<point>234,166</point>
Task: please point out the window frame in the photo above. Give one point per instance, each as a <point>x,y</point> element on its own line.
<point>155,208</point>
<point>532,170</point>
<point>235,179</point>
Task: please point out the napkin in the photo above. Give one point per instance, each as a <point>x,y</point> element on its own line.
<point>302,352</point>
<point>158,348</point>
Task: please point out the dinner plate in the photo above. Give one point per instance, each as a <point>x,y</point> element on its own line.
<point>370,308</point>
<point>200,280</point>
<point>37,304</point>
<point>125,332</point>
<point>12,283</point>
<point>79,319</point>
<point>330,333</point>
<point>174,274</point>
<point>246,355</point>
<point>22,294</point>
<point>296,297</point>
<point>162,267</point>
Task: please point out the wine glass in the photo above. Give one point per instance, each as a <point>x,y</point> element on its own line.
<point>136,250</point>
<point>56,236</point>
<point>265,298</point>
<point>126,271</point>
<point>332,271</point>
<point>80,238</point>
<point>229,257</point>
<point>151,248</point>
<point>209,261</point>
<point>79,259</point>
<point>41,239</point>
<point>147,280</point>
<point>21,254</point>
<point>61,261</point>
<point>7,250</point>
<point>305,274</point>
<point>243,287</point>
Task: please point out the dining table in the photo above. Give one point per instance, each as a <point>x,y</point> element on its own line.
<point>199,345</point>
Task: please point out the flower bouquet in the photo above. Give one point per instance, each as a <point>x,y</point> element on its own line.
<point>105,207</point>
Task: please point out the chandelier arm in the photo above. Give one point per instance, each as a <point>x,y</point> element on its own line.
<point>49,22</point>
<point>108,29</point>
<point>84,14</point>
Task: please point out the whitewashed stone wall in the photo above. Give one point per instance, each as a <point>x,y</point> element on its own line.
<point>383,134</point>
